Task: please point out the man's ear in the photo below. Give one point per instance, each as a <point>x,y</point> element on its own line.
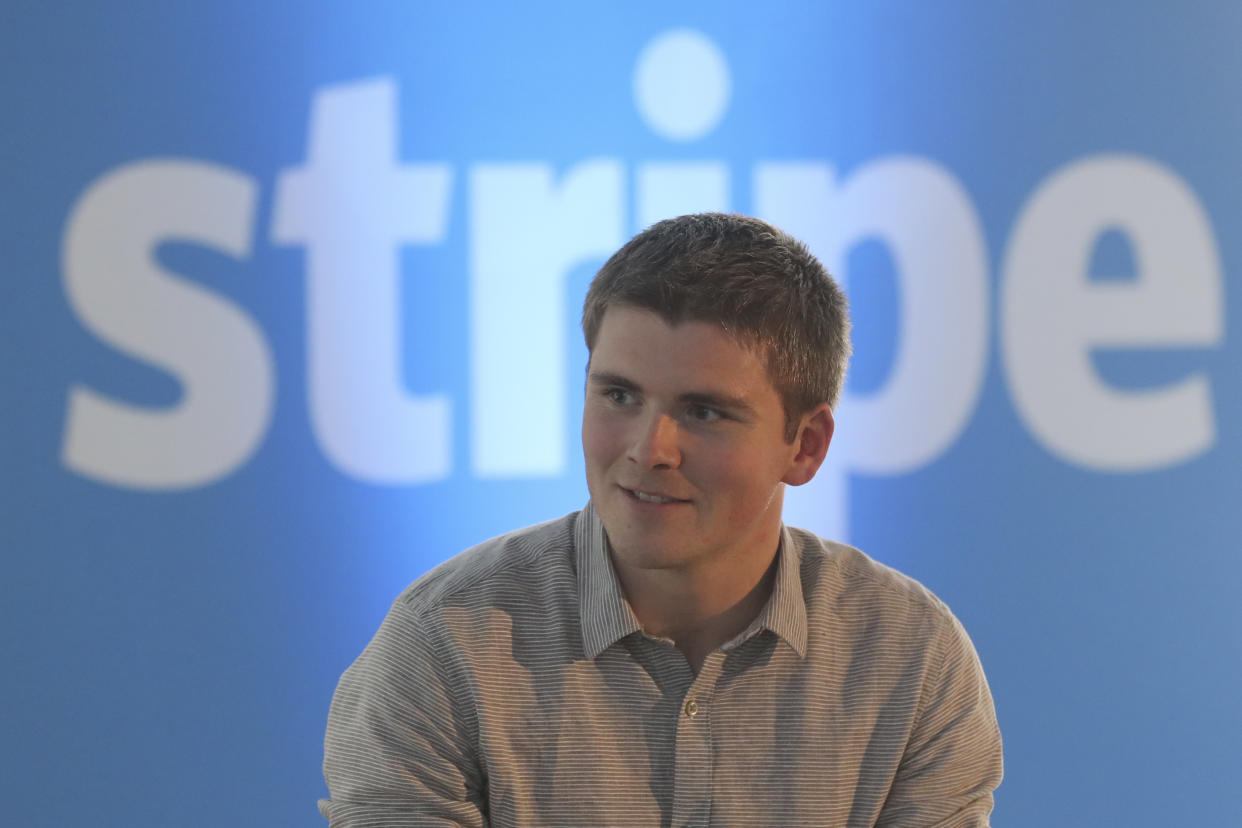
<point>814,435</point>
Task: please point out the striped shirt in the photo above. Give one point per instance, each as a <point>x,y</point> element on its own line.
<point>513,686</point>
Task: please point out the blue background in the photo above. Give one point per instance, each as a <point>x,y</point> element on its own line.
<point>171,654</point>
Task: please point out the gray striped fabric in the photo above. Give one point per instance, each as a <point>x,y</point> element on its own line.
<point>512,686</point>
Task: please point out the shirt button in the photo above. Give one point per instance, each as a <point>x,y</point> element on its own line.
<point>692,708</point>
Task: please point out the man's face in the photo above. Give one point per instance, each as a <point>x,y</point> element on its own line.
<point>683,435</point>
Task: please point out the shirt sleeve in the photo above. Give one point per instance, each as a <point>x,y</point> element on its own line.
<point>953,761</point>
<point>398,750</point>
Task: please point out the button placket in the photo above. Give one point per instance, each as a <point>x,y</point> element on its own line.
<point>692,783</point>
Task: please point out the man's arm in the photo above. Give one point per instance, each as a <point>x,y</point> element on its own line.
<point>398,750</point>
<point>952,762</point>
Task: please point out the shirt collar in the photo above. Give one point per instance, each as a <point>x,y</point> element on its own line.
<point>785,612</point>
<point>604,613</point>
<point>606,617</point>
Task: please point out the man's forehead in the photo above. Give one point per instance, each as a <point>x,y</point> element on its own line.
<point>641,347</point>
<point>625,315</point>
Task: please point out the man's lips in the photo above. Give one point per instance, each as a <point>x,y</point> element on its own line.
<point>652,496</point>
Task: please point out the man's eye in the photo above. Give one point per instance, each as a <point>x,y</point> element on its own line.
<point>704,414</point>
<point>619,396</point>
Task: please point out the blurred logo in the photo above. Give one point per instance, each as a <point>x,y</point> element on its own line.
<point>353,204</point>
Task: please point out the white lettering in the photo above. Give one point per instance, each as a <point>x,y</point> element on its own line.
<point>215,350</point>
<point>1052,316</point>
<point>920,211</point>
<point>667,190</point>
<point>526,232</point>
<point>353,205</point>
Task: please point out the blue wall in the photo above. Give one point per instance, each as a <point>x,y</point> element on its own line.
<point>289,307</point>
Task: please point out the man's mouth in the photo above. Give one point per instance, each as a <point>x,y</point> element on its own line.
<point>652,497</point>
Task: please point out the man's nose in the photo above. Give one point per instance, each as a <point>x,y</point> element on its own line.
<point>656,444</point>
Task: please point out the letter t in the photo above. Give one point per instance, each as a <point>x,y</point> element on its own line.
<point>353,205</point>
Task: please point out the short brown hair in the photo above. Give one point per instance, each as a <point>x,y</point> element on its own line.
<point>757,282</point>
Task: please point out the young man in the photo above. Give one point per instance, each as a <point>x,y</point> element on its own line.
<point>672,654</point>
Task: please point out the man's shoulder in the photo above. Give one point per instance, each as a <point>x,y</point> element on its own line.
<point>852,584</point>
<point>520,563</point>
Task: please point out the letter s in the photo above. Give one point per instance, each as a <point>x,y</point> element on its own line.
<point>214,349</point>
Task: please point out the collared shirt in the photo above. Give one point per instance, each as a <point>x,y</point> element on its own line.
<point>514,686</point>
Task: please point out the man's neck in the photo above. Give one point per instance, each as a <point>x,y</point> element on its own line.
<point>702,608</point>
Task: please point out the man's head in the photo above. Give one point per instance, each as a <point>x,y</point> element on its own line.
<point>762,286</point>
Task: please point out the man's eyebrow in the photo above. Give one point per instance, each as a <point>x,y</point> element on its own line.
<point>738,405</point>
<point>605,378</point>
